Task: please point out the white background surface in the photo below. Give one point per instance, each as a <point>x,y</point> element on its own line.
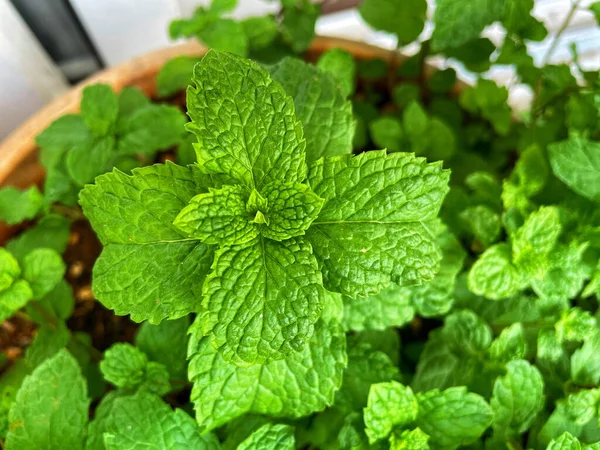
<point>123,29</point>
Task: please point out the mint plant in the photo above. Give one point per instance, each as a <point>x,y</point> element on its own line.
<point>347,254</point>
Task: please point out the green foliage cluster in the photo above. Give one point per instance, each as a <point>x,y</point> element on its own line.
<point>299,287</point>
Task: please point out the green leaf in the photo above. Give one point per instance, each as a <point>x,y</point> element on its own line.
<point>17,206</point>
<point>99,109</point>
<point>52,231</point>
<point>124,365</point>
<point>262,300</point>
<point>298,24</point>
<point>218,217</point>
<point>474,54</point>
<point>575,325</point>
<point>509,345</point>
<point>131,99</point>
<point>245,123</point>
<point>49,340</point>
<point>585,362</point>
<point>387,132</point>
<point>387,204</point>
<point>565,441</point>
<point>453,417</point>
<point>9,269</point>
<point>390,405</point>
<point>410,440</point>
<point>582,406</point>
<point>299,385</point>
<point>465,333</point>
<point>152,128</point>
<point>533,242</point>
<point>489,100</point>
<point>517,19</point>
<point>576,162</point>
<point>459,21</point>
<point>14,298</point>
<point>51,408</point>
<point>390,308</point>
<point>166,343</point>
<point>225,35</point>
<point>222,6</point>
<point>156,380</point>
<point>175,75</point>
<point>59,303</point>
<point>517,399</point>
<point>270,437</point>
<point>261,31</point>
<point>141,270</point>
<point>483,222</point>
<point>405,19</point>
<point>595,9</point>
<point>145,421</point>
<point>87,162</point>
<point>494,275</point>
<point>341,65</point>
<point>442,81</point>
<point>321,107</point>
<point>43,269</point>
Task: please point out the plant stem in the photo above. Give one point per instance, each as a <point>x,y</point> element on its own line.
<point>561,30</point>
<point>72,213</point>
<point>44,313</point>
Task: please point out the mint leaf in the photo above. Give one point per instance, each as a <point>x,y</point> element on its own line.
<point>17,206</point>
<point>166,343</point>
<point>517,399</point>
<point>85,163</point>
<point>245,123</point>
<point>51,407</point>
<point>48,341</point>
<point>51,231</point>
<point>582,406</point>
<point>585,362</point>
<point>270,437</point>
<point>222,6</point>
<point>483,222</point>
<point>274,306</point>
<point>404,19</point>
<point>387,132</point>
<point>133,217</point>
<point>14,292</point>
<point>400,249</point>
<point>410,440</point>
<point>43,269</point>
<point>59,302</point>
<point>131,99</point>
<point>99,109</point>
<point>298,24</point>
<point>494,275</point>
<point>576,162</point>
<point>299,385</point>
<point>390,405</point>
<point>218,217</point>
<point>323,110</point>
<point>390,308</point>
<point>341,65</point>
<point>260,31</point>
<point>457,22</point>
<point>465,333</point>
<point>175,75</point>
<point>124,366</point>
<point>489,100</point>
<point>575,325</point>
<point>226,35</point>
<point>509,345</point>
<point>453,417</point>
<point>145,421</point>
<point>565,441</point>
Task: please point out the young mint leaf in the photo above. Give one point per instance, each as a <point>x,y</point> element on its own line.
<point>582,406</point>
<point>86,163</point>
<point>65,133</point>
<point>17,206</point>
<point>401,249</point>
<point>225,35</point>
<point>489,100</point>
<point>58,303</point>
<point>145,421</point>
<point>465,333</point>
<point>166,343</point>
<point>389,308</point>
<point>321,107</point>
<point>517,20</point>
<point>156,380</point>
<point>276,301</point>
<point>404,19</point>
<point>43,268</point>
<point>299,385</point>
<point>222,6</point>
<point>438,366</point>
<point>270,437</point>
<point>218,217</point>
<point>48,341</point>
<point>474,54</point>
<point>124,366</point>
<point>152,128</point>
<point>141,270</point>
<point>99,109</point>
<point>509,345</point>
<point>494,275</point>
<point>517,399</point>
<point>565,441</point>
<point>130,100</point>
<point>341,65</point>
<point>298,24</point>
<point>585,362</point>
<point>409,440</point>
<point>387,132</point>
<point>390,405</point>
<point>459,21</point>
<point>483,222</point>
<point>245,123</point>
<point>175,75</point>
<point>14,292</point>
<point>52,231</point>
<point>575,325</point>
<point>454,417</point>
<point>261,31</point>
<point>51,408</point>
<point>576,162</point>
<point>442,81</point>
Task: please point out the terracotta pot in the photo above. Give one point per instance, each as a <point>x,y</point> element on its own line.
<point>19,165</point>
